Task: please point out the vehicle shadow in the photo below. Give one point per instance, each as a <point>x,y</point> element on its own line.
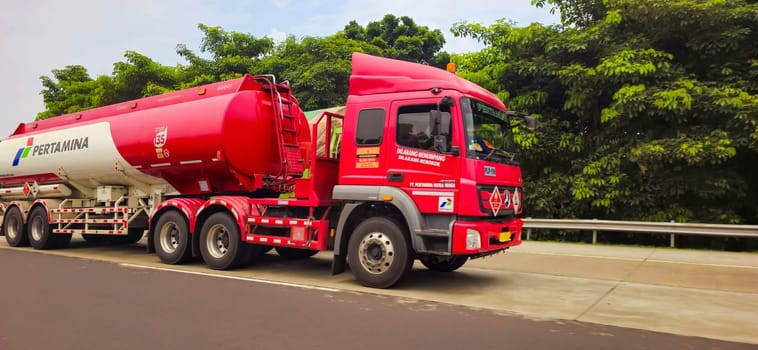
<point>317,270</point>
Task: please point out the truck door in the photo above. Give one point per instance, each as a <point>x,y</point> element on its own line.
<point>421,161</point>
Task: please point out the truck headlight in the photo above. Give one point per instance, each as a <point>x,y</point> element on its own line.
<point>473,239</point>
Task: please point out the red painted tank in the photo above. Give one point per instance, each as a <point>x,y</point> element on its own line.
<point>213,138</point>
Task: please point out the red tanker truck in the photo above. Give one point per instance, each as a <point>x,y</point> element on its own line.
<point>230,170</point>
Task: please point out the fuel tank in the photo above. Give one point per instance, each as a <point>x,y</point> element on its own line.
<point>213,138</point>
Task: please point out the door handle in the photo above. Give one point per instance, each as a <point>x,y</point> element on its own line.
<point>394,177</point>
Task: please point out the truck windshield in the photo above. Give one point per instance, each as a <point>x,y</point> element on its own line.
<point>488,132</point>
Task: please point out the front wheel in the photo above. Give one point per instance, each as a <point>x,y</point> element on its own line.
<point>379,253</point>
<point>220,242</point>
<point>438,263</point>
<point>14,228</point>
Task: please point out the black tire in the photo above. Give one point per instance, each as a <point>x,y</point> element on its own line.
<point>294,253</point>
<point>438,263</point>
<point>171,238</point>
<point>379,253</point>
<point>14,228</point>
<point>220,242</point>
<point>40,233</point>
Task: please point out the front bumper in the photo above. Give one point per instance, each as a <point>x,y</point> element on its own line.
<point>481,237</point>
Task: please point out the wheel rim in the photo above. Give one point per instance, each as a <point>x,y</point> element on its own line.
<point>217,241</point>
<point>36,227</point>
<point>376,252</point>
<point>169,237</point>
<point>12,229</point>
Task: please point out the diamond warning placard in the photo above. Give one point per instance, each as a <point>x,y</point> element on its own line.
<point>496,200</point>
<point>27,189</point>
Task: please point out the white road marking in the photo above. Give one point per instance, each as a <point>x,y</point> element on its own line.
<point>256,280</point>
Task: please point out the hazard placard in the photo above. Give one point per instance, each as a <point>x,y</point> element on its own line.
<point>35,189</point>
<point>496,200</point>
<point>27,190</point>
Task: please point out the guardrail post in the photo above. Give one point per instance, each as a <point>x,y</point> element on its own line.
<point>594,236</point>
<point>528,234</point>
<point>672,238</point>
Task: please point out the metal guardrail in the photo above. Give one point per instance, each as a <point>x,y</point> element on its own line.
<point>671,228</point>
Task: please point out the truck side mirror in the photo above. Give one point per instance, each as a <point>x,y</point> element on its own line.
<point>435,118</point>
<point>440,143</point>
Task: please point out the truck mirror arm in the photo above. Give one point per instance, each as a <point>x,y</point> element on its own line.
<point>531,123</point>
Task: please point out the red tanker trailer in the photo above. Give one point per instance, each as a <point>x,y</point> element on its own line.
<point>229,170</point>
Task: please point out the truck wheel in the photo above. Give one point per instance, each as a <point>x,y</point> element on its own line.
<point>172,239</point>
<point>439,263</point>
<point>40,233</point>
<point>378,253</point>
<point>294,253</point>
<point>220,242</point>
<point>13,228</point>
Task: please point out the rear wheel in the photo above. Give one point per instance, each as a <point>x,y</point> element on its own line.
<point>172,241</point>
<point>379,253</point>
<point>14,228</point>
<point>439,263</point>
<point>220,242</point>
<point>294,253</point>
<point>40,232</point>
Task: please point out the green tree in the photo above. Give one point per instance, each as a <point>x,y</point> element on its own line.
<point>139,77</point>
<point>580,13</point>
<point>318,68</point>
<point>647,111</point>
<point>232,55</point>
<point>69,90</point>
<point>401,38</point>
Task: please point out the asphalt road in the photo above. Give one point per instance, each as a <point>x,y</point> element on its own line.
<point>50,301</point>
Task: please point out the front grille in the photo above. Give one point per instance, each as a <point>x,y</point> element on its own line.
<point>506,200</point>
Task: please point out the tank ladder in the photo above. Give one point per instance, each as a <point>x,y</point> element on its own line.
<point>287,127</point>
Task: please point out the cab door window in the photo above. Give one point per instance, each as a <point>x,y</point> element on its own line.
<point>417,128</point>
<point>370,127</point>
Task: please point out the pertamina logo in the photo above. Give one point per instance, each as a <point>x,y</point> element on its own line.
<point>49,148</point>
<point>445,204</point>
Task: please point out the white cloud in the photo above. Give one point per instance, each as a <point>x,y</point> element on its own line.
<point>277,35</point>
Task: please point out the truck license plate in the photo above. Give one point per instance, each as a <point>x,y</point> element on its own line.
<point>504,237</point>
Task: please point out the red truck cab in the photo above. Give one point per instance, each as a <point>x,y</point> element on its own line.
<point>429,151</point>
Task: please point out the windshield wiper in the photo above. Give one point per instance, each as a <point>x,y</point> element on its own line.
<point>498,154</point>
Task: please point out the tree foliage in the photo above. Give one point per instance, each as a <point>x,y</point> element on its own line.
<point>647,107</point>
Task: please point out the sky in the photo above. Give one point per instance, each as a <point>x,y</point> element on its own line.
<point>37,36</point>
